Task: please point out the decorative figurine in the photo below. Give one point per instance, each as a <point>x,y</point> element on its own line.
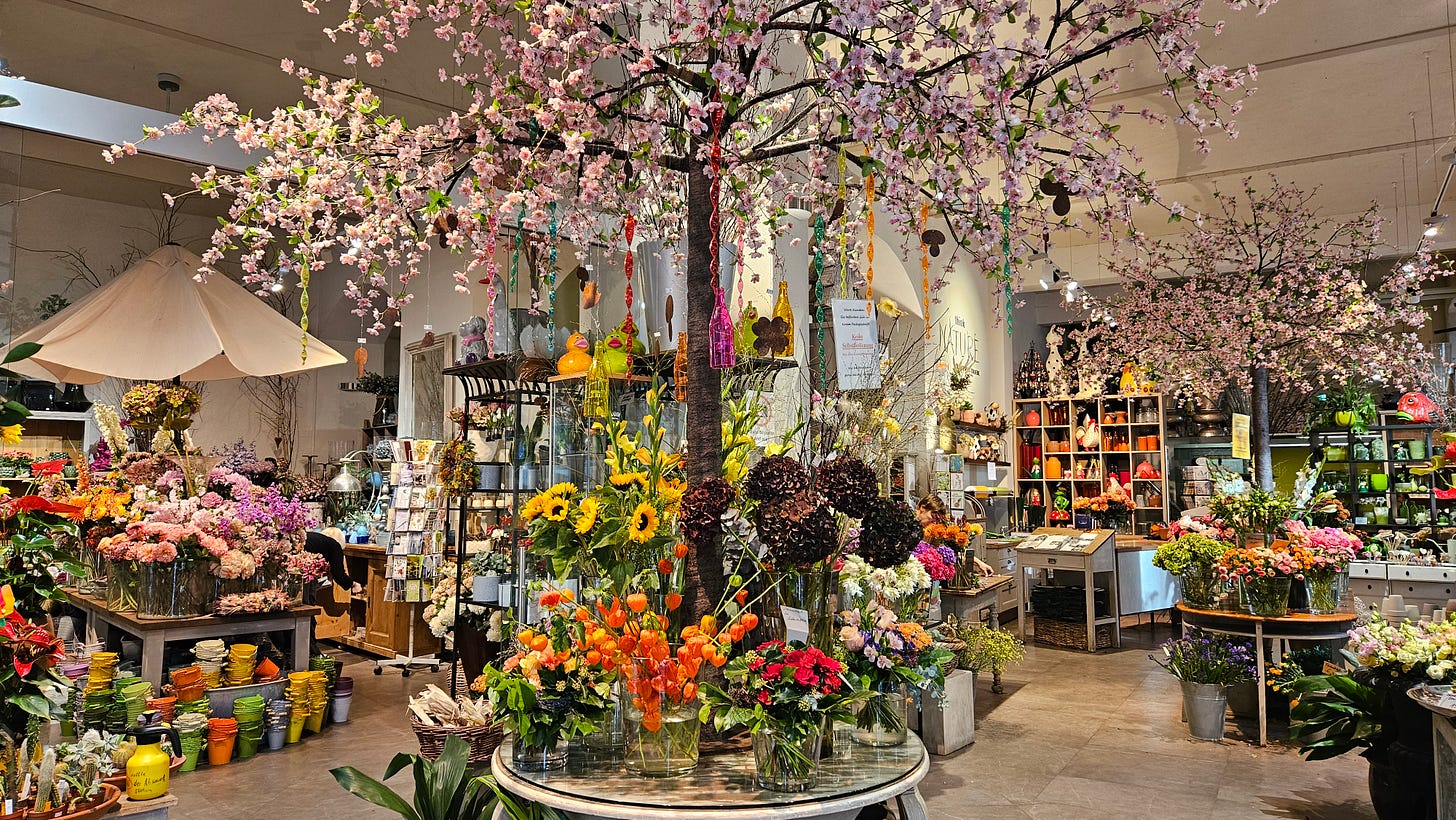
<point>1035,468</point>
<point>1417,408</point>
<point>619,343</point>
<point>1056,375</point>
<point>1128,384</point>
<point>576,359</point>
<point>473,346</point>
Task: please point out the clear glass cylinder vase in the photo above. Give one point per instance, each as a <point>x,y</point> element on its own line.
<point>881,720</point>
<point>787,759</point>
<point>1267,597</point>
<point>169,590</point>
<point>661,728</point>
<point>1323,589</point>
<point>611,734</point>
<point>121,586</point>
<point>540,756</point>
<point>809,590</point>
<point>96,569</point>
<point>1200,587</point>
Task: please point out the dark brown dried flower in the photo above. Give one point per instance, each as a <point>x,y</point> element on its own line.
<point>849,484</point>
<point>775,477</point>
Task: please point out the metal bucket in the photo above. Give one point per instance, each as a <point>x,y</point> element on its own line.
<point>1204,706</point>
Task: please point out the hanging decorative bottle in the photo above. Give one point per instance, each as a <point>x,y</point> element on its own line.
<point>680,368</point>
<point>746,317</point>
<point>597,404</point>
<point>782,310</point>
<point>720,334</point>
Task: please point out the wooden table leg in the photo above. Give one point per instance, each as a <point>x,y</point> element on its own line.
<point>1263,706</point>
<point>153,646</point>
<point>911,805</point>
<point>302,632</point>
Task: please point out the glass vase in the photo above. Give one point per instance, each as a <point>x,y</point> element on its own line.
<point>1200,587</point>
<point>880,720</point>
<point>809,590</point>
<point>661,730</point>
<point>611,735</point>
<point>121,586</point>
<point>96,568</point>
<point>169,590</point>
<point>1267,597</point>
<point>540,756</point>
<point>1323,588</point>
<point>786,759</point>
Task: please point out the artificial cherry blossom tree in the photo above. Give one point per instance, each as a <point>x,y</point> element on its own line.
<point>593,115</point>
<point>1264,292</point>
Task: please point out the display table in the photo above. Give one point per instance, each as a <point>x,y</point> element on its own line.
<point>1296,626</point>
<point>1088,556</point>
<point>723,786</point>
<point>1443,735</point>
<point>155,634</point>
<point>155,809</point>
<point>966,605</point>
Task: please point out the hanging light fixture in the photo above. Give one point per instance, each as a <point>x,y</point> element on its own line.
<point>1434,223</point>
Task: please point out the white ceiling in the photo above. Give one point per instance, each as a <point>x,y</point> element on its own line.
<point>1339,81</point>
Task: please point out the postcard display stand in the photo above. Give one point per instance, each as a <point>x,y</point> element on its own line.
<point>416,537</point>
<point>1065,561</point>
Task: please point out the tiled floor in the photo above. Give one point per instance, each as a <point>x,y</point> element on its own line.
<point>1075,736</point>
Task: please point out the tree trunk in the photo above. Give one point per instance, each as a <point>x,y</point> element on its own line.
<point>1259,429</point>
<point>704,571</point>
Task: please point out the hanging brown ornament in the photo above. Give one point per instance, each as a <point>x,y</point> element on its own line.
<point>361,358</point>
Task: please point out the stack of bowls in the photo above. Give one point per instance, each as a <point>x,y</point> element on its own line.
<point>135,694</point>
<point>276,718</point>
<point>343,694</point>
<point>297,694</point>
<point>330,668</point>
<point>211,655</point>
<point>187,683</point>
<point>248,711</point>
<point>102,671</point>
<point>95,707</point>
<point>166,706</point>
<point>191,730</point>
<point>241,659</point>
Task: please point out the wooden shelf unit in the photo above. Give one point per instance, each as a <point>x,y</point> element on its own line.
<point>1058,426</point>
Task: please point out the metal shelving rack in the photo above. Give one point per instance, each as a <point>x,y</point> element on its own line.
<point>516,381</point>
<point>1344,474</point>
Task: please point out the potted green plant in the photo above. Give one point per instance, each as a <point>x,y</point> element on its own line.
<point>1206,665</point>
<point>1194,557</point>
<point>443,789</point>
<point>385,389</point>
<point>1352,407</point>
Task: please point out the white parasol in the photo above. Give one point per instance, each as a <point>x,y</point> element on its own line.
<point>155,321</point>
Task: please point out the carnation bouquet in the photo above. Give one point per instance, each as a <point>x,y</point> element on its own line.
<point>787,690</point>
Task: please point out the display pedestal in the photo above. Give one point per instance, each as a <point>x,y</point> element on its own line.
<point>723,787</point>
<point>949,723</point>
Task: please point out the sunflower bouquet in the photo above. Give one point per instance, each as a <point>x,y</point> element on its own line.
<point>623,531</point>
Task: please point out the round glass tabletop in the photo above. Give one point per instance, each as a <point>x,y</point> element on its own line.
<point>721,782</point>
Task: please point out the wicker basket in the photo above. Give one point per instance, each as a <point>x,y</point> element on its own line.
<point>956,647</point>
<point>1069,634</point>
<point>483,740</point>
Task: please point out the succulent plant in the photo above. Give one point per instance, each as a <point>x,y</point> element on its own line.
<point>849,484</point>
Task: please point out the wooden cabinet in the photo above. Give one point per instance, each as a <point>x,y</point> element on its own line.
<point>371,624</point>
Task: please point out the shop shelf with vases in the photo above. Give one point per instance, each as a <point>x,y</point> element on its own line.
<point>1076,445</point>
<point>1376,473</point>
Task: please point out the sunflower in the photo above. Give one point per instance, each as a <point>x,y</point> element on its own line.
<point>588,518</point>
<point>628,479</point>
<point>561,490</point>
<point>10,433</point>
<point>671,489</point>
<point>531,508</point>
<point>555,509</point>
<point>643,524</point>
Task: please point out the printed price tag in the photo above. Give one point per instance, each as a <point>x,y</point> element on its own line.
<point>796,624</point>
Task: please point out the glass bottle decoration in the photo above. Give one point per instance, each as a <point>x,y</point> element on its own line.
<point>782,310</point>
<point>746,337</point>
<point>720,334</point>
<point>597,403</point>
<point>680,368</point>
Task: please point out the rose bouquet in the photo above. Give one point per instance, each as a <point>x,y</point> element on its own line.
<point>439,615</point>
<point>1324,552</point>
<point>1112,506</point>
<point>306,567</point>
<point>886,654</point>
<point>786,695</point>
<point>1264,575</point>
<point>1205,525</point>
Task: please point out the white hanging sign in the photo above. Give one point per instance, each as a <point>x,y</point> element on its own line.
<point>856,344</point>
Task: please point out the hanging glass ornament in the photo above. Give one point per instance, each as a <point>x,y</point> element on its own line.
<point>629,326</point>
<point>680,368</point>
<point>720,326</point>
<point>551,286</point>
<point>925,263</point>
<point>597,403</point>
<point>490,276</point>
<point>819,296</point>
<point>720,334</point>
<point>869,237</point>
